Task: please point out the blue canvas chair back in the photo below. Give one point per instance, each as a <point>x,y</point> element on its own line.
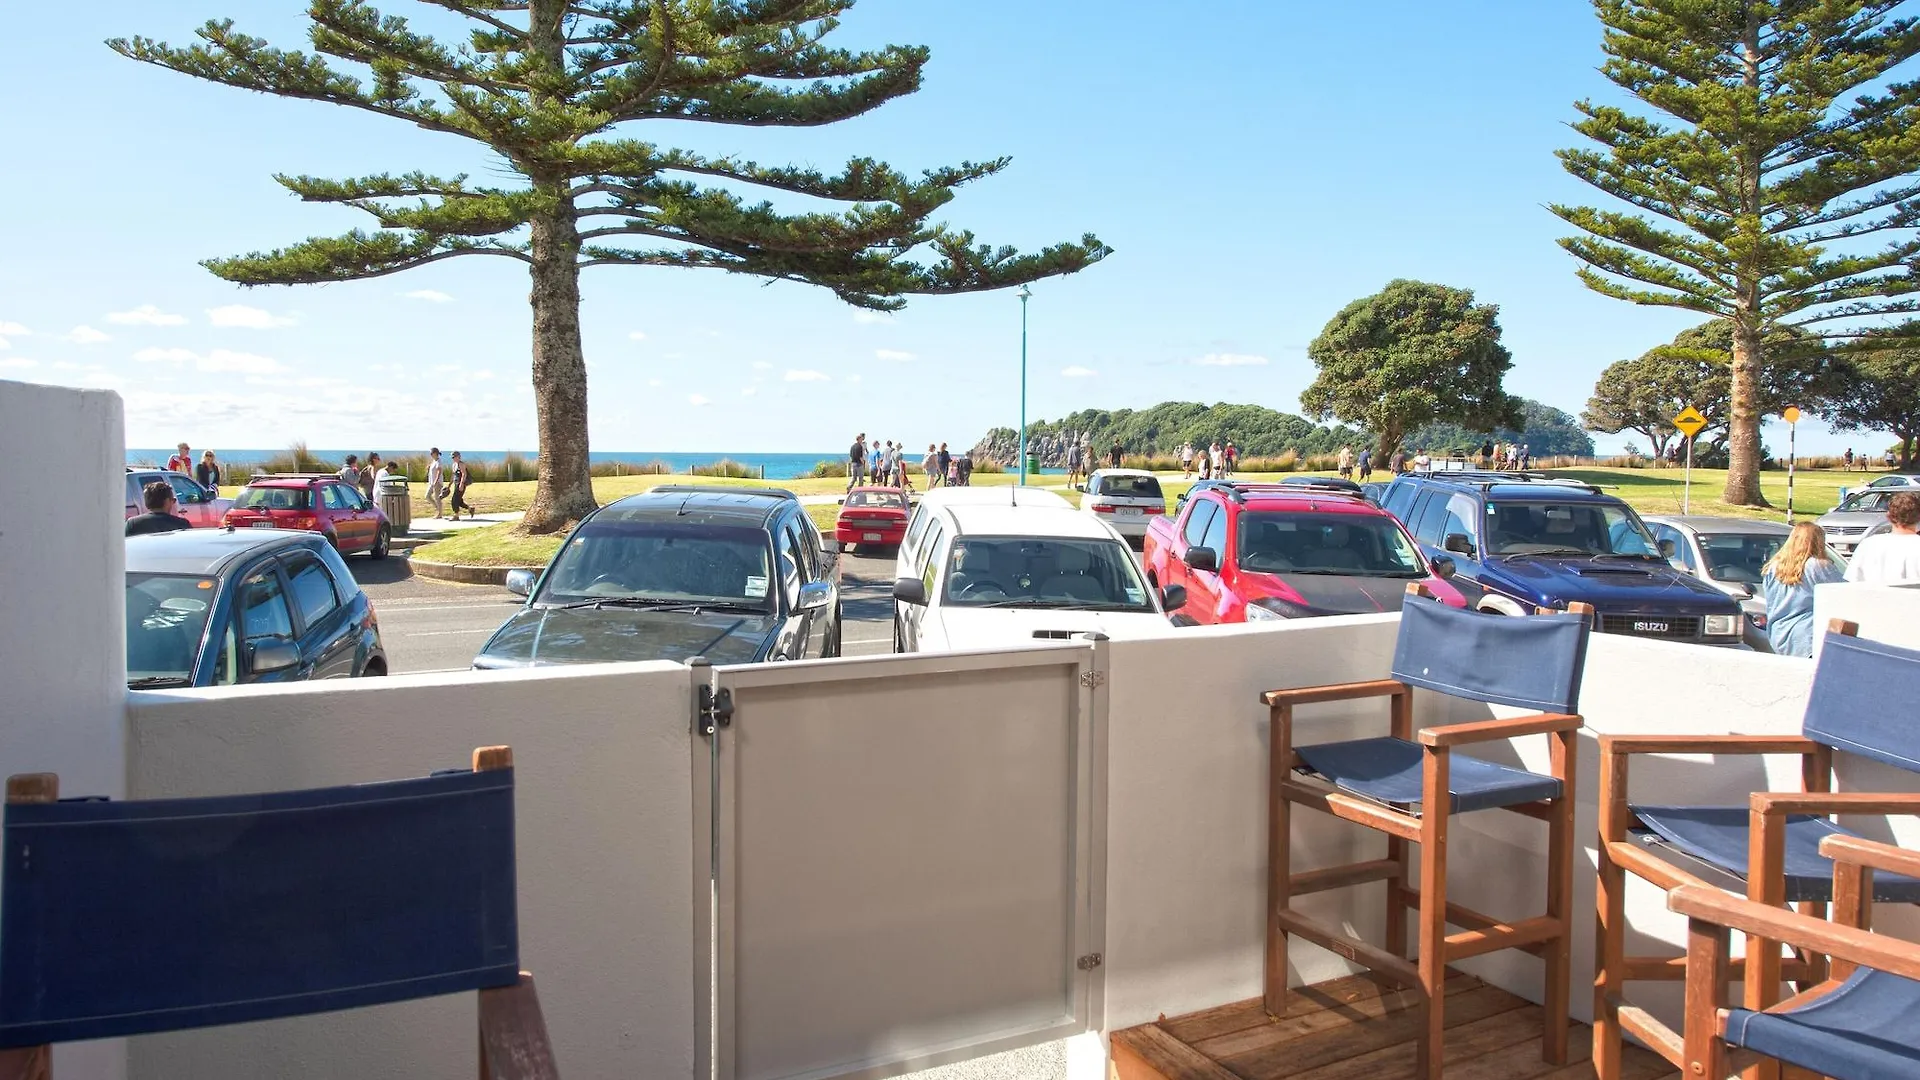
<point>133,917</point>
<point>1862,700</point>
<point>1530,663</point>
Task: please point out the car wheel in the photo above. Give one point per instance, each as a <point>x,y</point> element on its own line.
<point>373,669</point>
<point>332,541</point>
<point>899,642</point>
<point>382,541</point>
<point>832,651</point>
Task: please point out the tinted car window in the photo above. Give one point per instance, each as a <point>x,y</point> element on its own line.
<point>166,616</point>
<point>664,562</point>
<point>262,606</point>
<point>1135,487</point>
<point>1197,522</point>
<point>1741,558</point>
<point>1400,499</point>
<point>331,498</point>
<point>312,587</point>
<point>273,498</point>
<point>1428,513</point>
<point>1002,571</point>
<point>133,491</point>
<point>186,490</point>
<point>1362,545</point>
<point>793,563</point>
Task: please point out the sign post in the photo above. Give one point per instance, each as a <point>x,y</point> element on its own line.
<point>1791,414</point>
<point>1689,422</point>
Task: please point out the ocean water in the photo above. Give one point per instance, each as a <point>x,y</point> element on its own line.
<point>777,466</point>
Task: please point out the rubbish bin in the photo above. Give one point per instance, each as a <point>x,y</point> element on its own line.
<point>396,504</point>
<point>1033,464</point>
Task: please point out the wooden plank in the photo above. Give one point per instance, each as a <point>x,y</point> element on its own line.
<point>1517,1029</point>
<point>27,1063</point>
<point>1517,935</point>
<point>1159,1056</point>
<point>1307,1024</point>
<point>1220,1020</point>
<point>1297,1056</point>
<point>513,1034</point>
<point>1308,695</point>
<point>1340,877</point>
<point>1382,963</point>
<point>1340,994</point>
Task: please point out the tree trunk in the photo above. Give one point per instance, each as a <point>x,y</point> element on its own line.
<point>1743,428</point>
<point>565,491</point>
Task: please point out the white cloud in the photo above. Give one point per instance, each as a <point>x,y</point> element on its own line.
<point>481,376</point>
<point>697,400</point>
<point>892,354</point>
<point>749,391</point>
<point>251,318</point>
<point>434,296</point>
<point>86,335</point>
<point>18,362</point>
<point>147,315</point>
<point>853,378</point>
<point>871,318</point>
<point>762,365</point>
<point>638,335</point>
<point>1215,359</point>
<point>13,329</point>
<point>5,344</point>
<point>807,375</point>
<point>243,363</point>
<point>167,356</point>
<point>656,383</point>
<point>1078,372</point>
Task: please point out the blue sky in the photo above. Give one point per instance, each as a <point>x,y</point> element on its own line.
<point>1256,168</point>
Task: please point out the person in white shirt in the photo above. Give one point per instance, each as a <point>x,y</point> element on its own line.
<point>1891,557</point>
<point>1422,462</point>
<point>436,483</point>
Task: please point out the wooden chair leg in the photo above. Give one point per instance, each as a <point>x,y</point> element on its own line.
<point>1609,951</point>
<point>1438,803</point>
<point>513,1034</point>
<point>1707,946</point>
<point>1766,884</point>
<point>27,1063</point>
<point>1559,951</point>
<point>1279,858</point>
<point>1397,849</point>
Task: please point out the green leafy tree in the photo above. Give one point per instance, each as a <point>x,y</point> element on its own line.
<point>551,87</point>
<point>1877,387</point>
<point>1256,431</point>
<point>1408,356</point>
<point>1775,187</point>
<point>1544,430</point>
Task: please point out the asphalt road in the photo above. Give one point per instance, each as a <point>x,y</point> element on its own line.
<point>430,625</point>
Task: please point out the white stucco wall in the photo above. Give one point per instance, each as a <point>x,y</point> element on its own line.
<point>62,639</point>
<point>604,828</point>
<point>1885,612</point>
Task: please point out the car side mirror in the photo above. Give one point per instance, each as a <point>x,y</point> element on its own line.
<point>842,500</point>
<point>910,590</point>
<point>269,656</point>
<point>1668,549</point>
<point>1173,597</point>
<point>814,595</point>
<point>1459,544</point>
<point>520,582</point>
<point>1442,567</point>
<point>1203,558</point>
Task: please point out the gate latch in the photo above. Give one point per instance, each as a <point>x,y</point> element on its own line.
<point>716,709</point>
<point>1093,679</point>
<point>1088,962</point>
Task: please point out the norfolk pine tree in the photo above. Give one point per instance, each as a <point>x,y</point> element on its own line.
<point>1775,190</point>
<point>548,86</point>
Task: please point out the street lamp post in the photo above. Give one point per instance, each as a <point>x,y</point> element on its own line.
<point>1025,293</point>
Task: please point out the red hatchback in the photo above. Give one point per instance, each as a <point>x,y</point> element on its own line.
<point>321,503</point>
<point>872,515</point>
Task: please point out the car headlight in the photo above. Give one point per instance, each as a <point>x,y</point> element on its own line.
<point>1256,613</point>
<point>1723,625</point>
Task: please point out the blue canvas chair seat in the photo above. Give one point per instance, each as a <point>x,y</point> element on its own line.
<point>1865,1030</point>
<point>1387,771</point>
<point>1409,784</point>
<point>1718,836</point>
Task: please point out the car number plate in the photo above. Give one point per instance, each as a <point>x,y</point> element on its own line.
<point>870,536</point>
<point>1129,511</point>
<point>263,524</point>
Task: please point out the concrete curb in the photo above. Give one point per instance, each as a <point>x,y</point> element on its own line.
<point>465,575</point>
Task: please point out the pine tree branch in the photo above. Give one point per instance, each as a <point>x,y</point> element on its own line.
<point>480,12</point>
<point>356,256</point>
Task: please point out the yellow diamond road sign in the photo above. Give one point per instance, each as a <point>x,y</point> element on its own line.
<point>1690,422</point>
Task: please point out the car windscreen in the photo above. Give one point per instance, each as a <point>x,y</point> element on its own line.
<point>1359,545</point>
<point>1051,572</point>
<point>1566,528</point>
<point>166,618</point>
<point>274,498</point>
<point>1130,487</point>
<point>887,500</point>
<point>665,562</point>
<point>1866,501</point>
<point>1738,557</point>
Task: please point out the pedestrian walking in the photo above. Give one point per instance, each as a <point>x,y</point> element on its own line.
<point>931,466</point>
<point>436,483</point>
<point>1891,558</point>
<point>460,480</point>
<point>946,463</point>
<point>208,472</point>
<point>856,460</point>
<point>1787,581</point>
<point>1397,464</point>
<point>367,472</point>
<point>1423,462</point>
<point>1346,463</point>
<point>964,466</point>
<point>1233,457</point>
<point>162,511</point>
<point>1846,460</point>
<point>349,473</point>
<point>1113,455</point>
<point>1073,463</point>
<point>1526,456</point>
<point>1186,460</point>
<point>1366,464</point>
<point>1489,454</point>
<point>182,460</point>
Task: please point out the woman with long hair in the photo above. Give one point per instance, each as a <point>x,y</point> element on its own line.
<point>1788,580</point>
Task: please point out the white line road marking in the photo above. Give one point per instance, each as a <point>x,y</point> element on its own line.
<point>445,633</point>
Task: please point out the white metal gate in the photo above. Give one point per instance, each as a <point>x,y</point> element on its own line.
<point>907,855</point>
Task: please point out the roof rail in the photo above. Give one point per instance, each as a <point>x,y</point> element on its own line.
<point>296,476</point>
<point>1238,490</point>
<point>1487,478</point>
<point>718,489</point>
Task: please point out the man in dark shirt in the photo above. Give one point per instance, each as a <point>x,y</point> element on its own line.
<point>160,516</point>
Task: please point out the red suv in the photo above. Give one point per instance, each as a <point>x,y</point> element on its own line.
<point>1243,553</point>
<point>314,503</point>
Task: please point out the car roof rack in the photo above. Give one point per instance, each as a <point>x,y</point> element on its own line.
<point>1486,478</point>
<point>1238,490</point>
<point>295,476</point>
<point>717,489</point>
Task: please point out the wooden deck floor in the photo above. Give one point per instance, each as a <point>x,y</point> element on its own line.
<point>1359,1029</point>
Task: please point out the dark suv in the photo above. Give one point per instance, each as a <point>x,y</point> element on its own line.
<point>736,575</point>
<point>1520,541</point>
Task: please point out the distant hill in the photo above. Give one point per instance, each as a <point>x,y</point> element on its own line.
<point>1256,431</point>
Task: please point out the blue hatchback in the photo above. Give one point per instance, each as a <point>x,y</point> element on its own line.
<point>217,607</point>
<point>1522,541</point>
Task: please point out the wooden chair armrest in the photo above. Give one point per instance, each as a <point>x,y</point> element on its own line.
<point>1853,849</point>
<point>1877,951</point>
<point>1308,695</point>
<point>1834,802</point>
<point>1708,744</point>
<point>1489,730</point>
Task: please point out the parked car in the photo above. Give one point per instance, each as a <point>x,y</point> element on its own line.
<point>1522,541</point>
<point>1124,498</point>
<point>1245,553</point>
<point>737,575</point>
<point>228,606</point>
<point>988,575</point>
<point>1909,481</point>
<point>1375,491</point>
<point>929,506</point>
<point>872,515</point>
<point>201,506</point>
<point>314,502</point>
<point>1856,516</point>
<point>1729,554</point>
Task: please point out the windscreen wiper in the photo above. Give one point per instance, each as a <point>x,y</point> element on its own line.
<point>1056,605</point>
<point>648,602</point>
<point>155,682</point>
<point>1547,551</point>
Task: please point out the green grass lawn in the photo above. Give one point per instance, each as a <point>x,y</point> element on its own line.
<point>495,545</point>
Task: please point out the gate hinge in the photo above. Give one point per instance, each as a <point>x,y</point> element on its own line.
<point>1088,962</point>
<point>716,709</point>
<point>1093,679</point>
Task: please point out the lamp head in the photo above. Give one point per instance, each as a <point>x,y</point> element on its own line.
<point>1024,293</point>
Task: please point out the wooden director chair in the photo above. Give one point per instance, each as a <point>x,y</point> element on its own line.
<point>127,918</point>
<point>1859,703</point>
<point>1411,784</point>
<point>1860,1024</point>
